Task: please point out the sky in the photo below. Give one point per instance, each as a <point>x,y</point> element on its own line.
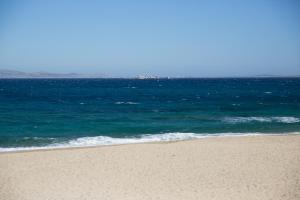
<point>165,38</point>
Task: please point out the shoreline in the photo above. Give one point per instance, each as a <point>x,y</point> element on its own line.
<point>201,137</point>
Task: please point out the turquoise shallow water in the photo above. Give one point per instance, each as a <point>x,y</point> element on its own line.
<point>79,112</point>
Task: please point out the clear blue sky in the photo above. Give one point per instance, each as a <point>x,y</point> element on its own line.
<point>175,38</point>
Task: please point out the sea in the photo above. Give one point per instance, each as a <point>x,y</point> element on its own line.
<point>56,113</point>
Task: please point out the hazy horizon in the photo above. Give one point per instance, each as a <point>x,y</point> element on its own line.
<point>145,75</point>
<point>163,38</point>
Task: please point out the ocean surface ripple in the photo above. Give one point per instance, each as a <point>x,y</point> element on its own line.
<point>43,113</point>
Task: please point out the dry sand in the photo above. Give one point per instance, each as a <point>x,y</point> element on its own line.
<point>241,168</point>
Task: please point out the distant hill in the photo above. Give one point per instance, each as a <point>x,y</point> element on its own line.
<point>4,73</point>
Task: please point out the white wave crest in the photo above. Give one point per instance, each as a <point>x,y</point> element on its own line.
<point>128,102</point>
<point>287,119</point>
<point>235,120</point>
<point>105,140</point>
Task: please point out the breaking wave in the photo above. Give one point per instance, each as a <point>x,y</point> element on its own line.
<point>128,102</point>
<point>235,120</point>
<point>105,140</point>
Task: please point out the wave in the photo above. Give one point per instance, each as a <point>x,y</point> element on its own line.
<point>128,102</point>
<point>105,140</point>
<point>235,120</point>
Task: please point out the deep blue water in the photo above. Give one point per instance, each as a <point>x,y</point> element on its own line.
<point>39,112</point>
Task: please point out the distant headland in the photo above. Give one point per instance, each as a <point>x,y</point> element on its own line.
<point>4,73</point>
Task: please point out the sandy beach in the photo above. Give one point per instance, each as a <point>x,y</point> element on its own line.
<point>250,167</point>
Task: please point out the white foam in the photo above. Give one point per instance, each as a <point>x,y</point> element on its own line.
<point>286,119</point>
<point>128,102</point>
<point>235,120</point>
<point>104,140</point>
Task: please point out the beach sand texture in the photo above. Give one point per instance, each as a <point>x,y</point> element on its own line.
<point>241,168</point>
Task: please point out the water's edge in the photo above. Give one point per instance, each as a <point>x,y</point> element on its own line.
<point>156,138</point>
